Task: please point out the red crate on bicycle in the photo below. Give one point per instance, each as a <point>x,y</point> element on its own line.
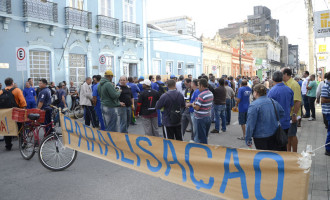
<point>42,114</point>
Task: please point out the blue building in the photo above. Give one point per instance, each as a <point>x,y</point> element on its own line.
<point>170,53</point>
<point>72,39</point>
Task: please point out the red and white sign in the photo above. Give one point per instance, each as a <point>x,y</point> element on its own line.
<point>21,58</point>
<point>214,68</point>
<point>102,59</point>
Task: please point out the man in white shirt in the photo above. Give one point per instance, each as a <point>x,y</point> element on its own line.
<point>304,92</point>
<point>179,85</point>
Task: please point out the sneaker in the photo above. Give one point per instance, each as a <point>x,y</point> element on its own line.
<point>311,119</point>
<point>191,141</point>
<point>327,153</point>
<point>241,138</point>
<point>214,131</point>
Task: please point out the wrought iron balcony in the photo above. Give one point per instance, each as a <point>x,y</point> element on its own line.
<point>5,6</point>
<point>131,30</point>
<point>108,24</point>
<point>40,10</point>
<point>79,18</point>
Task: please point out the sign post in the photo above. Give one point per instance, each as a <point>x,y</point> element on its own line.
<point>102,61</point>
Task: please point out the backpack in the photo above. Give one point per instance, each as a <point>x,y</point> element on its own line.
<point>175,112</point>
<point>7,99</point>
<point>162,88</point>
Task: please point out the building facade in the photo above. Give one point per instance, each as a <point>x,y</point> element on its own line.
<point>262,24</point>
<point>284,50</point>
<point>234,30</point>
<point>172,54</point>
<point>178,25</point>
<point>247,63</point>
<point>73,39</point>
<point>217,56</point>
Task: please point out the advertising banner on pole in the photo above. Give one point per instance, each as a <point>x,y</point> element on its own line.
<point>223,172</point>
<point>322,24</point>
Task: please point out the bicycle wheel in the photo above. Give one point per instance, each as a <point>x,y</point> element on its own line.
<point>27,143</point>
<point>78,112</point>
<point>53,155</point>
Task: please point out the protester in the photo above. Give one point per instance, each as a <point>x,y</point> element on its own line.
<point>13,97</point>
<point>180,85</point>
<point>202,112</point>
<point>44,101</point>
<point>141,79</point>
<point>172,102</point>
<point>284,96</point>
<point>212,82</point>
<point>86,101</point>
<point>195,88</point>
<point>61,95</point>
<point>325,100</point>
<point>311,94</point>
<point>243,102</point>
<point>230,94</point>
<point>52,88</point>
<point>304,96</point>
<point>97,102</point>
<point>146,109</point>
<point>220,94</point>
<point>295,111</point>
<point>135,91</point>
<point>127,105</point>
<point>186,118</point>
<point>161,88</point>
<point>74,94</point>
<point>109,101</point>
<point>190,76</point>
<point>30,96</point>
<point>318,97</point>
<point>65,88</point>
<point>262,121</point>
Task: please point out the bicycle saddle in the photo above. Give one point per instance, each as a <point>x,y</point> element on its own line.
<point>33,116</point>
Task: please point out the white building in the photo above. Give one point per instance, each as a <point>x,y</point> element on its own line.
<point>182,25</point>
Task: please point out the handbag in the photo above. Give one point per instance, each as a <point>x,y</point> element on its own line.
<point>280,136</point>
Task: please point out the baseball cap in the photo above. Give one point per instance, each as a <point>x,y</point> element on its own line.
<point>141,77</point>
<point>146,82</point>
<point>108,73</point>
<point>172,76</point>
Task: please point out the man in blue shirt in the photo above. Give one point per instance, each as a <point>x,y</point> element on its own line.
<point>243,102</point>
<point>194,87</point>
<point>135,91</point>
<point>61,95</point>
<point>44,100</point>
<point>159,87</point>
<point>97,101</point>
<point>284,96</point>
<point>30,96</point>
<point>325,100</point>
<point>140,86</point>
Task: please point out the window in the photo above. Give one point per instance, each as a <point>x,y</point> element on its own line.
<point>39,66</point>
<point>77,68</point>
<point>129,11</point>
<point>180,68</point>
<point>156,66</point>
<point>79,4</point>
<point>106,7</point>
<point>169,67</point>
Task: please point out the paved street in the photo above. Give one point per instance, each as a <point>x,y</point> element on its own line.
<point>93,178</point>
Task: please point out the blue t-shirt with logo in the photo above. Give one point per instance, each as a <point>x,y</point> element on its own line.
<point>193,98</point>
<point>29,94</point>
<point>44,96</point>
<point>244,96</point>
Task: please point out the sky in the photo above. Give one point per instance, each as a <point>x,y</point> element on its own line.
<point>211,15</point>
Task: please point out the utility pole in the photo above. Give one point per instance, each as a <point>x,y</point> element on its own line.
<point>309,6</point>
<point>240,55</point>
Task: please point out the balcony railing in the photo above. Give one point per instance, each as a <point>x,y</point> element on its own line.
<point>41,10</point>
<point>108,24</point>
<point>78,18</point>
<point>5,6</point>
<point>131,30</point>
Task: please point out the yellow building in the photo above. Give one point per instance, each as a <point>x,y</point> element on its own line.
<point>216,56</point>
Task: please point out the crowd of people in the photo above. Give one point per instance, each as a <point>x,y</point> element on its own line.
<point>181,105</point>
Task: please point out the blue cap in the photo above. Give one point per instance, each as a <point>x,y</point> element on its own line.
<point>172,76</point>
<point>141,77</point>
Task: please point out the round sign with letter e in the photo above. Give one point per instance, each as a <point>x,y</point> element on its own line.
<point>102,59</point>
<point>20,54</point>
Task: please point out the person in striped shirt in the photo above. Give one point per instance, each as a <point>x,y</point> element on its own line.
<point>325,100</point>
<point>202,112</point>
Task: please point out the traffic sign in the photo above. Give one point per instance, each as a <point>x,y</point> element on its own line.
<point>214,68</point>
<point>21,59</point>
<point>102,59</point>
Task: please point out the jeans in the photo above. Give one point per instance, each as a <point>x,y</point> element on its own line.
<point>306,105</point>
<point>212,113</point>
<point>327,147</point>
<point>228,110</point>
<point>125,118</point>
<point>185,120</point>
<point>220,112</point>
<point>99,115</point>
<point>193,126</point>
<point>202,129</point>
<point>311,102</point>
<point>110,118</point>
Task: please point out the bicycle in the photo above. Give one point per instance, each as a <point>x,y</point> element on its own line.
<point>77,110</point>
<point>52,154</point>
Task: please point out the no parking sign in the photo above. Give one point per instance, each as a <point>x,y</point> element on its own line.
<point>21,57</point>
<point>102,61</point>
